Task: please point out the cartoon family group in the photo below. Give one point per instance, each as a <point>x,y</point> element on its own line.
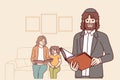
<point>40,58</point>
<point>95,43</point>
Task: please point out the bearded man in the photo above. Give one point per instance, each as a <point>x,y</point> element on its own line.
<point>95,43</point>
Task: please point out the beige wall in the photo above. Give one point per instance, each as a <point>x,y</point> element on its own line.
<point>13,35</point>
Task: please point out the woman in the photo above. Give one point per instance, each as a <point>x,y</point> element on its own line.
<point>38,57</point>
<point>54,65</point>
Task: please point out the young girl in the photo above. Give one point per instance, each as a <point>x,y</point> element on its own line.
<point>54,65</point>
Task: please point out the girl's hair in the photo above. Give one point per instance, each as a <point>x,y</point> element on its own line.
<point>54,48</point>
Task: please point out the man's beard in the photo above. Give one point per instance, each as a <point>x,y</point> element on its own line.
<point>89,26</point>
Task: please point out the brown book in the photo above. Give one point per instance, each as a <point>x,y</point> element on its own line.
<point>83,59</point>
<point>43,62</point>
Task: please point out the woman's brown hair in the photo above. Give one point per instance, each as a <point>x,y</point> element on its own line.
<point>54,48</point>
<point>40,38</point>
<point>94,14</point>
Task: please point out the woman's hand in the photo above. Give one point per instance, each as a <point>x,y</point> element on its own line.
<point>74,66</point>
<point>34,62</point>
<point>52,66</point>
<point>45,62</point>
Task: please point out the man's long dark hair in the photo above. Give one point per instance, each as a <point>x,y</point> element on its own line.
<point>94,14</point>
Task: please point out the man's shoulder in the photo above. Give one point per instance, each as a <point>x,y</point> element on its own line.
<point>78,35</point>
<point>101,34</point>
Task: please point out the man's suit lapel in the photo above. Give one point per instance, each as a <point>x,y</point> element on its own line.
<point>94,42</point>
<point>82,40</point>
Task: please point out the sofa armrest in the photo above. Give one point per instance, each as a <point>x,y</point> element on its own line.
<point>10,70</point>
<point>11,62</point>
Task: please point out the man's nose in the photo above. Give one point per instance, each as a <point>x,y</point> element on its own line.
<point>89,21</point>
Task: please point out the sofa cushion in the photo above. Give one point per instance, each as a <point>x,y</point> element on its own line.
<point>21,62</point>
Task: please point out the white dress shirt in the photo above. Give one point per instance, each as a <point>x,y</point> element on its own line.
<point>87,44</point>
<point>40,54</point>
